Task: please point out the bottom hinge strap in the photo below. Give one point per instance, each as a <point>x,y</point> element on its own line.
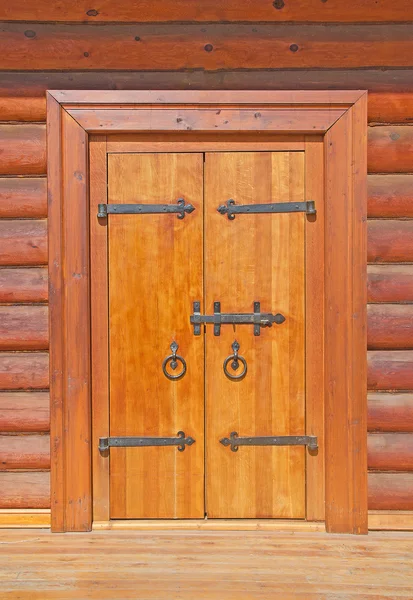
<point>280,440</point>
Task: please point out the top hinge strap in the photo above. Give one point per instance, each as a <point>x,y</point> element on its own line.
<point>231,209</point>
<point>180,208</point>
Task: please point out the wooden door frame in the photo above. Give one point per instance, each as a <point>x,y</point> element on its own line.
<point>341,118</point>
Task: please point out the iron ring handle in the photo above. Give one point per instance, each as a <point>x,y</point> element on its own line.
<point>173,359</point>
<point>235,358</point>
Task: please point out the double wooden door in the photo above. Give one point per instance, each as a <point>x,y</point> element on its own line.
<point>160,266</point>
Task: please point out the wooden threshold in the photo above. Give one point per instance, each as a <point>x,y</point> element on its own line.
<point>212,525</point>
<point>24,519</point>
<point>382,520</point>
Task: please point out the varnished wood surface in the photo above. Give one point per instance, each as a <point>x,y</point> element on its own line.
<point>390,149</point>
<point>24,411</point>
<point>390,196</point>
<point>390,451</point>
<point>23,196</point>
<point>254,565</point>
<point>24,370</point>
<point>23,149</point>
<point>23,285</point>
<point>390,240</point>
<point>20,518</point>
<point>390,370</point>
<point>26,452</point>
<point>23,242</point>
<point>25,489</point>
<point>391,491</point>
<point>390,283</point>
<point>24,328</point>
<point>390,412</point>
<point>390,327</point>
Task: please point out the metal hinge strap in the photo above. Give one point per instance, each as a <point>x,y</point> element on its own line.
<point>180,208</point>
<point>231,209</point>
<point>280,440</point>
<point>137,442</point>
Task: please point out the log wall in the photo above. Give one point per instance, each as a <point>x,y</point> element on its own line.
<point>208,45</point>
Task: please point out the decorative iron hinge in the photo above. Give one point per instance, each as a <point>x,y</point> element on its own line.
<point>231,209</point>
<point>145,209</point>
<point>257,318</point>
<point>133,442</point>
<point>280,440</point>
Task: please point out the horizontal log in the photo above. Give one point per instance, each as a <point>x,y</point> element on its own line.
<point>388,283</point>
<point>24,411</point>
<point>390,491</point>
<point>390,108</point>
<point>24,328</point>
<point>389,241</point>
<point>23,242</point>
<point>390,149</point>
<point>390,412</point>
<point>24,370</point>
<point>23,285</point>
<point>390,451</point>
<point>209,10</point>
<point>390,370</point>
<point>25,490</point>
<point>390,327</point>
<point>23,197</point>
<point>22,149</point>
<point>390,196</point>
<point>24,452</point>
<point>22,109</point>
<point>165,46</point>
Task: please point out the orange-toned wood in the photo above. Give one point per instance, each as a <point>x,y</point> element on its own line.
<point>390,370</point>
<point>23,197</point>
<point>24,452</point>
<point>270,400</point>
<point>24,370</point>
<point>391,491</point>
<point>19,108</point>
<point>155,274</point>
<point>390,196</point>
<point>23,285</point>
<point>18,518</point>
<point>25,490</point>
<point>390,412</point>
<point>382,520</point>
<point>390,451</point>
<point>228,525</point>
<point>23,149</point>
<point>390,240</point>
<point>390,149</point>
<point>24,411</point>
<point>24,328</point>
<point>23,242</point>
<point>390,327</point>
<point>391,107</point>
<point>390,283</point>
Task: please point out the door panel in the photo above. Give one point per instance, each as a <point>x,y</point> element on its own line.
<point>255,257</point>
<point>155,273</point>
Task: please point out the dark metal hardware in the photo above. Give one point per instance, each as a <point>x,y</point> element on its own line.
<point>137,442</point>
<point>231,209</point>
<point>173,359</point>
<point>236,359</point>
<point>145,209</point>
<point>257,318</point>
<point>280,440</point>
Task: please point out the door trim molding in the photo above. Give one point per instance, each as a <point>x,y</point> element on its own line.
<point>341,117</point>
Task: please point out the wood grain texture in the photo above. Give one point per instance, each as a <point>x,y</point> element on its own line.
<point>23,197</point>
<point>391,491</point>
<point>390,240</point>
<point>390,283</point>
<point>24,370</point>
<point>25,490</point>
<point>24,412</point>
<point>23,242</point>
<point>23,285</point>
<point>390,149</point>
<point>384,520</point>
<point>25,518</point>
<point>391,108</point>
<point>390,196</point>
<point>390,327</point>
<point>24,328</point>
<point>390,451</point>
<point>17,108</point>
<point>212,47</point>
<point>390,412</point>
<point>390,370</point>
<point>24,452</point>
<point>22,149</point>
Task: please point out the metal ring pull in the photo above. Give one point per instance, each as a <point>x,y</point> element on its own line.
<point>236,359</point>
<point>173,359</point>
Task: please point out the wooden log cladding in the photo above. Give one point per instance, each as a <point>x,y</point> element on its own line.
<point>389,241</point>
<point>23,242</point>
<point>390,149</point>
<point>390,451</point>
<point>28,451</point>
<point>390,370</point>
<point>22,109</point>
<point>210,10</point>
<point>25,490</point>
<point>44,46</point>
<point>23,285</point>
<point>390,412</point>
<point>390,491</point>
<point>390,196</point>
<point>22,149</point>
<point>23,197</point>
<point>24,370</point>
<point>387,283</point>
<point>391,108</point>
<point>24,328</point>
<point>390,327</point>
<point>24,411</point>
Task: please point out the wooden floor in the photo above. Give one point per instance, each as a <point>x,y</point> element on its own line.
<point>199,565</point>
